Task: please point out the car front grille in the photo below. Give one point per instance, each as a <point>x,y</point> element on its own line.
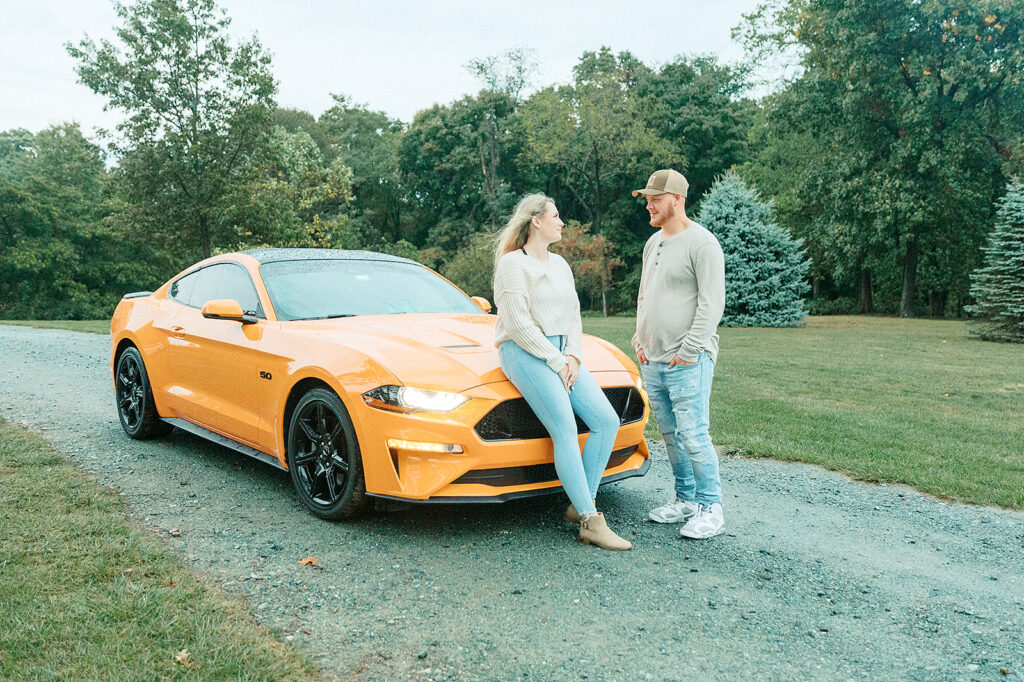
<point>535,473</point>
<point>514,420</point>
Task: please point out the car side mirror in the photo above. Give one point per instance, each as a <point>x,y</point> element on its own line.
<point>226,309</point>
<point>483,303</point>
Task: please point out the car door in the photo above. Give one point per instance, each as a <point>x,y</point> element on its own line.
<point>162,354</point>
<point>216,361</point>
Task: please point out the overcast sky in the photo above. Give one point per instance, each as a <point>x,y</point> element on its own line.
<point>398,57</point>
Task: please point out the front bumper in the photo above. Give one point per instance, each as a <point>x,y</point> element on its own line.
<point>547,488</point>
<point>485,470</point>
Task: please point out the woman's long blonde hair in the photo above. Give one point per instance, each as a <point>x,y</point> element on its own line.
<point>517,230</point>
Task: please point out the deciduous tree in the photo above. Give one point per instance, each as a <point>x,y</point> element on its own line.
<point>446,166</point>
<point>921,99</point>
<point>300,200</point>
<point>593,133</point>
<point>472,267</point>
<point>698,106</point>
<point>60,255</point>
<point>505,77</point>
<point>592,259</point>
<point>198,112</point>
<point>367,142</point>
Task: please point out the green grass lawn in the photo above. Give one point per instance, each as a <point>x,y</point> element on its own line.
<point>880,399</point>
<point>85,595</point>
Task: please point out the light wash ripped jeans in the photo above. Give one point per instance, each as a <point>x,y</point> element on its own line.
<point>680,398</point>
<point>544,393</point>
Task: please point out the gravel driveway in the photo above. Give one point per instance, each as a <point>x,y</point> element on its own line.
<point>817,577</point>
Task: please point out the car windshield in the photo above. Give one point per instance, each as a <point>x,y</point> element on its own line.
<point>321,289</point>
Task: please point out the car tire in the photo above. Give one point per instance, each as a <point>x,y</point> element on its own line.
<point>135,406</point>
<point>323,457</point>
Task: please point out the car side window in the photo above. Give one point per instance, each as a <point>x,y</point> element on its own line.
<point>181,289</point>
<point>226,280</point>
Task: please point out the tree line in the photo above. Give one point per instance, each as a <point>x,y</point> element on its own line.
<point>884,156</point>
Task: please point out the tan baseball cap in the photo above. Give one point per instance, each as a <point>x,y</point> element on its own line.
<point>665,181</point>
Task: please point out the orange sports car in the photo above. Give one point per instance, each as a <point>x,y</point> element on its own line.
<point>362,374</point>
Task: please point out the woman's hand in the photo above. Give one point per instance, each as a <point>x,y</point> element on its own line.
<point>563,374</point>
<point>572,363</point>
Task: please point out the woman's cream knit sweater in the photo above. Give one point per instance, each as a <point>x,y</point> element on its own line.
<point>535,300</point>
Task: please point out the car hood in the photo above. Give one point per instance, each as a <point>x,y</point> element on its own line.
<point>443,351</point>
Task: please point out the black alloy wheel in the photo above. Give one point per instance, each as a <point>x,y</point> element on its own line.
<point>323,457</point>
<point>135,406</point>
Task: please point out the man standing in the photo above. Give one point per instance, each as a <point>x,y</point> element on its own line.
<point>682,296</point>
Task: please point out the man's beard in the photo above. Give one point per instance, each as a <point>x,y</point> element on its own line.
<point>663,217</point>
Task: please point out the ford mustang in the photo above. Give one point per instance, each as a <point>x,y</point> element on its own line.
<point>362,374</point>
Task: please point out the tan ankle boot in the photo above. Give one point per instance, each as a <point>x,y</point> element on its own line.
<point>573,516</point>
<point>594,531</point>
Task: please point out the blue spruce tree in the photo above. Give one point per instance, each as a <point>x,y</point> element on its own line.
<point>765,267</point>
<point>998,286</point>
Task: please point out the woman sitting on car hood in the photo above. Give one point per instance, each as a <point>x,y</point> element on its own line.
<point>539,336</point>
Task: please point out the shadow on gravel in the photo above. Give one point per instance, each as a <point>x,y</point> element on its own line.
<point>452,522</point>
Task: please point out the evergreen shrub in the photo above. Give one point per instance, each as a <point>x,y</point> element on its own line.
<point>765,267</point>
<point>998,286</point>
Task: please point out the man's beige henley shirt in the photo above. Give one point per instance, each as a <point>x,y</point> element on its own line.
<point>682,295</point>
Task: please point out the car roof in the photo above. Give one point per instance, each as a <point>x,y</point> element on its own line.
<point>277,255</point>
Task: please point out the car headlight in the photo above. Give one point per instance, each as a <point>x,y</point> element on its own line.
<point>408,399</point>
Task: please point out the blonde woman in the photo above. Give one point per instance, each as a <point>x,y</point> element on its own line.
<point>539,336</point>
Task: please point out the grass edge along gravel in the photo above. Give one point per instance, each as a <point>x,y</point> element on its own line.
<point>85,594</point>
<point>87,326</point>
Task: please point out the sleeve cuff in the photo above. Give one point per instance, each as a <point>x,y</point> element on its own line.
<point>556,364</point>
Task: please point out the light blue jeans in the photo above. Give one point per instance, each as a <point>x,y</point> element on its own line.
<point>680,398</point>
<point>544,393</point>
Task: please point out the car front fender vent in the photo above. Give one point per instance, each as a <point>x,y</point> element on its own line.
<point>514,420</point>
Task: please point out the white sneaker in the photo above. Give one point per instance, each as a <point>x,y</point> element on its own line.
<point>675,511</point>
<point>706,523</point>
